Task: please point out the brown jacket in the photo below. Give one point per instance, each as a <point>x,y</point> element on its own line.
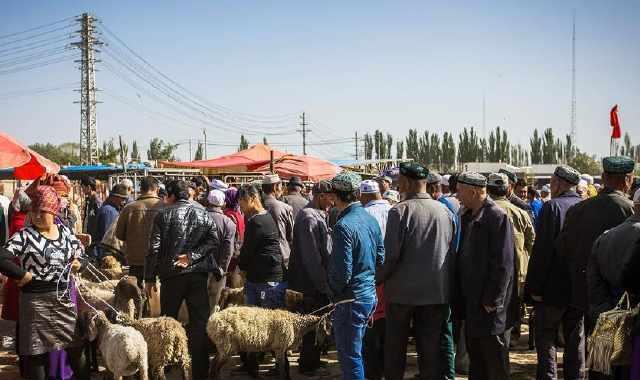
<point>134,227</point>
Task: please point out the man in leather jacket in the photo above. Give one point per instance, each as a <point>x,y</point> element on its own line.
<point>181,254</point>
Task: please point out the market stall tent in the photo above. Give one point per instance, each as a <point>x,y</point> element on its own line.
<point>26,163</point>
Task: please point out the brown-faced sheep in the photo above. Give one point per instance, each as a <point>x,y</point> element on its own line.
<point>166,342</point>
<point>254,329</point>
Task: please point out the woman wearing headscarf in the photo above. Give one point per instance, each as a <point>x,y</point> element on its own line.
<point>232,210</point>
<point>46,253</point>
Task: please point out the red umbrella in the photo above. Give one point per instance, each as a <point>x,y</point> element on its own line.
<point>27,164</point>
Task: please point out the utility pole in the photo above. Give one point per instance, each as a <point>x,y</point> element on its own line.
<point>356,139</point>
<point>88,131</point>
<point>204,132</point>
<point>573,83</point>
<point>304,132</point>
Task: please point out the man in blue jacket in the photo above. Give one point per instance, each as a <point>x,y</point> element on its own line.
<point>358,247</point>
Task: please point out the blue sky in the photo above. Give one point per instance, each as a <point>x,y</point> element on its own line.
<point>352,66</point>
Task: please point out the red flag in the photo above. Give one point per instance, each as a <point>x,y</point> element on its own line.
<point>615,123</point>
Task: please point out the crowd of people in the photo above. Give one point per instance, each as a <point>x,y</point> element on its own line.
<point>454,262</point>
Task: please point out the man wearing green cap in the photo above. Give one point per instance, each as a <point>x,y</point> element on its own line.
<point>419,248</point>
<point>357,249</point>
<point>589,219</point>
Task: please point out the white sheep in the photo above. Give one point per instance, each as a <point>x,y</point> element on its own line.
<point>166,343</point>
<point>123,348</point>
<point>253,329</point>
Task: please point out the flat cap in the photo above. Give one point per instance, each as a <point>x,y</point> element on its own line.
<point>322,187</point>
<point>433,177</point>
<point>568,174</point>
<point>271,179</point>
<point>498,180</point>
<point>618,165</point>
<point>512,176</point>
<point>413,170</point>
<point>369,187</point>
<point>472,179</point>
<point>346,181</point>
<point>119,191</point>
<point>295,181</point>
<point>385,178</point>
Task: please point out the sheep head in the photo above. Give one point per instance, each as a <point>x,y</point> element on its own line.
<point>128,290</point>
<point>110,262</point>
<point>94,322</point>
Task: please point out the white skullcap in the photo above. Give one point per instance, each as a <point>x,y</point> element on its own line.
<point>127,182</point>
<point>271,179</point>
<point>587,178</point>
<point>583,183</point>
<point>445,180</point>
<point>546,189</point>
<point>636,196</point>
<point>369,187</point>
<point>216,198</point>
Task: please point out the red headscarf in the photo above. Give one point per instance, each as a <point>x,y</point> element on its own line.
<point>45,199</point>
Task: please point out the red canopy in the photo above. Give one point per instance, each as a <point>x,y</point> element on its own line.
<point>240,161</point>
<point>306,167</point>
<point>27,164</point>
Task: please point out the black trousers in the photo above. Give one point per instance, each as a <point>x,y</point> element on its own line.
<point>427,323</point>
<point>192,288</point>
<point>373,350</point>
<point>488,357</point>
<point>138,272</point>
<point>310,352</point>
<point>39,365</point>
<point>548,320</point>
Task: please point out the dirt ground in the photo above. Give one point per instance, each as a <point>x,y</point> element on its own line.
<point>523,363</point>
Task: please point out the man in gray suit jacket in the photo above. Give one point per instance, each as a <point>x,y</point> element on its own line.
<point>416,274</point>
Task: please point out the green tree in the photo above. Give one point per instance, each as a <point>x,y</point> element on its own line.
<point>58,154</point>
<point>448,152</point>
<point>159,150</point>
<point>549,147</point>
<point>569,149</point>
<point>199,153</point>
<point>535,144</point>
<point>264,141</point>
<point>399,149</point>
<point>627,149</point>
<point>244,144</point>
<point>413,149</point>
<point>368,147</point>
<point>135,154</point>
<point>389,143</point>
<point>584,163</point>
<point>109,153</point>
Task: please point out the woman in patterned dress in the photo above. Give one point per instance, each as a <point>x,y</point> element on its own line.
<point>46,253</point>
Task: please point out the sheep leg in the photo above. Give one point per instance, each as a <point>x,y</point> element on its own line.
<point>158,373</point>
<point>283,364</point>
<point>143,371</point>
<point>216,368</point>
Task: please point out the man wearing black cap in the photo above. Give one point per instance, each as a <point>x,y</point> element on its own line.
<point>547,283</point>
<point>484,274</point>
<point>294,197</point>
<point>589,219</point>
<point>308,265</point>
<point>511,195</point>
<point>108,214</point>
<point>91,206</point>
<point>419,247</point>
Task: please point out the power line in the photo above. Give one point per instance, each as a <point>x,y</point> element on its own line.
<point>37,27</point>
<point>35,45</point>
<point>35,91</point>
<point>34,57</point>
<point>37,65</point>
<point>36,35</point>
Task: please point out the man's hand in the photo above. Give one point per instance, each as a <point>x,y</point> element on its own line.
<point>182,261</point>
<point>150,288</point>
<point>536,298</point>
<point>24,280</point>
<point>489,309</point>
<point>75,265</point>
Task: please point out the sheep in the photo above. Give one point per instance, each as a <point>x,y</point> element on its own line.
<point>235,296</point>
<point>124,295</point>
<point>110,268</point>
<point>254,329</point>
<point>166,342</point>
<point>123,348</point>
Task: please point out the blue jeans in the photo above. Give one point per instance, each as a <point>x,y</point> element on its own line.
<point>349,325</point>
<point>269,295</point>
